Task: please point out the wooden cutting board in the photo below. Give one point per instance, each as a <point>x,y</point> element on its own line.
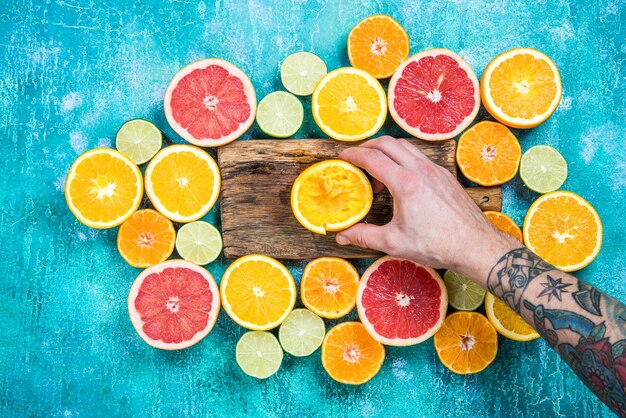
<point>256,187</point>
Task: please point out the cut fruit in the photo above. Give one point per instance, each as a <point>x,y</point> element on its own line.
<point>199,242</point>
<point>139,140</point>
<point>146,238</point>
<point>350,355</point>
<point>258,292</point>
<point>543,169</point>
<point>103,188</point>
<point>434,95</point>
<point>173,305</point>
<point>331,195</point>
<point>401,302</point>
<point>183,182</point>
<point>563,229</point>
<point>466,343</point>
<point>349,104</point>
<point>210,102</point>
<point>504,223</point>
<point>378,44</point>
<point>280,114</point>
<point>258,353</point>
<point>488,154</point>
<point>463,294</point>
<point>521,87</point>
<point>328,287</point>
<point>507,322</point>
<point>300,72</point>
<point>302,333</point>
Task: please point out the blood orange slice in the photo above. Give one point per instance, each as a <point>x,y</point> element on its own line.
<point>173,305</point>
<point>401,302</point>
<point>434,95</point>
<point>210,102</point>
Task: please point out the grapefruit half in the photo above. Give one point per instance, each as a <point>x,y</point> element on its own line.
<point>210,102</point>
<point>401,302</point>
<point>434,95</point>
<point>174,304</point>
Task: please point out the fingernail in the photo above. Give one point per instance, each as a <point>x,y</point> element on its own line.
<point>341,240</point>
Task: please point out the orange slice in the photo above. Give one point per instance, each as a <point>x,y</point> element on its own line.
<point>258,292</point>
<point>488,154</point>
<point>507,322</point>
<point>466,343</point>
<point>331,195</point>
<point>521,87</point>
<point>563,229</point>
<point>504,223</point>
<point>183,182</point>
<point>103,188</point>
<point>146,238</point>
<point>378,44</point>
<point>329,286</point>
<point>350,355</point>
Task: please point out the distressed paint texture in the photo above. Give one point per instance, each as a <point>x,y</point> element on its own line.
<point>71,72</point>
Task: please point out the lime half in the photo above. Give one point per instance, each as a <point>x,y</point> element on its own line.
<point>300,72</point>
<point>279,114</point>
<point>139,140</point>
<point>463,294</point>
<point>543,169</point>
<point>198,242</point>
<point>301,333</point>
<point>259,354</point>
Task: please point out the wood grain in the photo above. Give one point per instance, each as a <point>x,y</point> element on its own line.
<point>257,176</point>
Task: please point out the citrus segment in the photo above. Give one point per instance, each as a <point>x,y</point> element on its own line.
<point>139,140</point>
<point>300,72</point>
<point>543,169</point>
<point>199,242</point>
<point>463,294</point>
<point>504,223</point>
<point>258,353</point>
<point>146,238</point>
<point>280,114</point>
<point>507,322</point>
<point>301,333</point>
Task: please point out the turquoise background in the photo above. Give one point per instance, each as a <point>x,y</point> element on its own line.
<point>71,72</point>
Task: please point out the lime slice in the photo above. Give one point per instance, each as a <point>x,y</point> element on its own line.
<point>301,333</point>
<point>300,72</point>
<point>280,114</point>
<point>259,354</point>
<point>543,169</point>
<point>198,242</point>
<point>139,140</point>
<point>463,294</point>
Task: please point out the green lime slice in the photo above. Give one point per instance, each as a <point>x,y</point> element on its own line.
<point>279,114</point>
<point>301,333</point>
<point>139,140</point>
<point>198,242</point>
<point>300,72</point>
<point>463,294</point>
<point>259,354</point>
<point>543,169</point>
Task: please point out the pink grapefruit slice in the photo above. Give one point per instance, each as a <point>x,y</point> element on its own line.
<point>174,304</point>
<point>434,95</point>
<point>210,102</point>
<point>401,302</point>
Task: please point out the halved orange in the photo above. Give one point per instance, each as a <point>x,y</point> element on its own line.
<point>103,188</point>
<point>378,44</point>
<point>563,229</point>
<point>504,223</point>
<point>466,343</point>
<point>508,322</point>
<point>350,355</point>
<point>521,87</point>
<point>331,195</point>
<point>488,154</point>
<point>329,286</point>
<point>146,238</point>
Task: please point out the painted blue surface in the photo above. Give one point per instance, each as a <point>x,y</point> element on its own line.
<point>71,72</point>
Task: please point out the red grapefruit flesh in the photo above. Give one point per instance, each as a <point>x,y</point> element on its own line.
<point>401,302</point>
<point>210,102</point>
<point>174,304</point>
<point>434,95</point>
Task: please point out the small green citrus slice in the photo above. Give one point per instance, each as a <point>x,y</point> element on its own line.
<point>198,242</point>
<point>139,140</point>
<point>302,332</point>
<point>280,114</point>
<point>463,294</point>
<point>300,72</point>
<point>543,169</point>
<point>258,353</point>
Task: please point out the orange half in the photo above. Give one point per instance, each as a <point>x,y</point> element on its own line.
<point>504,223</point>
<point>508,322</point>
<point>146,238</point>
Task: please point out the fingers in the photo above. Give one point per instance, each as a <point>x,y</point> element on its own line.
<point>377,186</point>
<point>364,236</point>
<point>375,162</point>
<point>398,149</point>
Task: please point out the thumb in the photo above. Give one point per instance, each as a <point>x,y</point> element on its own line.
<point>363,235</point>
